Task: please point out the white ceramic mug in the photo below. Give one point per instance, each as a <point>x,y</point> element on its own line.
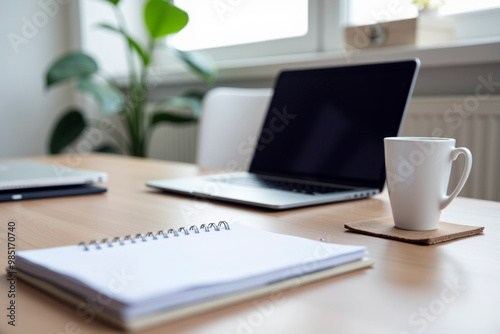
<point>418,172</point>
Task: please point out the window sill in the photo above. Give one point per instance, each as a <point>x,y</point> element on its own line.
<point>459,53</point>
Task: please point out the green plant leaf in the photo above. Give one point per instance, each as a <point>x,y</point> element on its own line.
<point>110,99</point>
<point>196,98</point>
<point>200,63</point>
<point>162,18</point>
<point>178,104</point>
<point>70,66</point>
<point>68,128</point>
<point>196,94</point>
<point>107,148</point>
<point>133,43</point>
<point>114,2</point>
<point>169,117</point>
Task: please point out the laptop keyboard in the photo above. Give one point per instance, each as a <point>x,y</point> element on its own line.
<point>284,185</point>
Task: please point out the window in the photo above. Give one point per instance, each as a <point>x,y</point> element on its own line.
<point>232,29</point>
<point>242,29</point>
<point>218,23</point>
<point>473,19</point>
<point>460,6</point>
<point>235,31</point>
<point>371,11</point>
<point>471,16</point>
<point>361,12</point>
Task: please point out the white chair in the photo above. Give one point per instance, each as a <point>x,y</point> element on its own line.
<point>230,124</point>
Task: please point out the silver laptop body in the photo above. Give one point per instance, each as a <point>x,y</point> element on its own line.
<point>321,141</point>
<point>27,174</point>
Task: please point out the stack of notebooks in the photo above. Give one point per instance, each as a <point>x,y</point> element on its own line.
<point>142,280</point>
<point>23,180</point>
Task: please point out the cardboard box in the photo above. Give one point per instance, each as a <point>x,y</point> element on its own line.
<point>423,30</point>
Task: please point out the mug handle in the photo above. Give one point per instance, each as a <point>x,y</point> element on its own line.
<point>465,175</point>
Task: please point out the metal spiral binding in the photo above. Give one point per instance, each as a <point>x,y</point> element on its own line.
<point>161,234</point>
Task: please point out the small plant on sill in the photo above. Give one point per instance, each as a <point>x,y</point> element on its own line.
<point>430,5</point>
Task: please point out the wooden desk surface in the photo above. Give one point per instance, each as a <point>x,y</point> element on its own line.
<point>452,287</point>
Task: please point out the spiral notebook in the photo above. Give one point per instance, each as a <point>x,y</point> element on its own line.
<point>145,279</point>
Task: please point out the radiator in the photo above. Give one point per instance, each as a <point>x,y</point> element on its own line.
<point>474,124</point>
<point>174,142</point>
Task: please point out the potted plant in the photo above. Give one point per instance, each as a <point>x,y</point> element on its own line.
<point>161,19</point>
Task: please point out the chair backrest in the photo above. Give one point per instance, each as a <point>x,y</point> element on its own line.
<point>231,120</point>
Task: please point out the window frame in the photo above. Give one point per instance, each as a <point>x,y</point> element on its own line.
<point>327,20</point>
<point>293,45</point>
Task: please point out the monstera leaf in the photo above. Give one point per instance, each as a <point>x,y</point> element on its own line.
<point>70,66</point>
<point>69,127</point>
<point>163,18</point>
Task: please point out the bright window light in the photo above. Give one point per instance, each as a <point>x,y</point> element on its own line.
<point>217,23</point>
<point>372,11</point>
<point>460,6</point>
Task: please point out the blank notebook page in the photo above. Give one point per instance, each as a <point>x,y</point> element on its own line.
<point>147,276</point>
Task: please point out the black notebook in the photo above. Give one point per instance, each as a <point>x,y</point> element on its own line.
<point>146,279</point>
<point>48,192</point>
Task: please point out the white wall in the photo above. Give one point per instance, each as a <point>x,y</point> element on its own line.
<point>32,34</point>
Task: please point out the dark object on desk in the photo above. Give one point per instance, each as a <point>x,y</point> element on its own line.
<point>324,130</point>
<point>47,192</point>
<point>384,228</point>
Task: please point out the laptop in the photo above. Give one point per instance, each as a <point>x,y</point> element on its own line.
<point>21,180</point>
<point>321,140</point>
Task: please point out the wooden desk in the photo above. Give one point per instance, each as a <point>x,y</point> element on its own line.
<point>447,288</point>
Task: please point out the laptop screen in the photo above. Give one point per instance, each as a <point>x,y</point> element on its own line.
<point>328,124</point>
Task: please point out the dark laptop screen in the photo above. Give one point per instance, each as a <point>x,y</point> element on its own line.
<point>328,124</point>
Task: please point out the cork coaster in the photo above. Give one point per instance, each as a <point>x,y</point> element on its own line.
<point>384,227</point>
